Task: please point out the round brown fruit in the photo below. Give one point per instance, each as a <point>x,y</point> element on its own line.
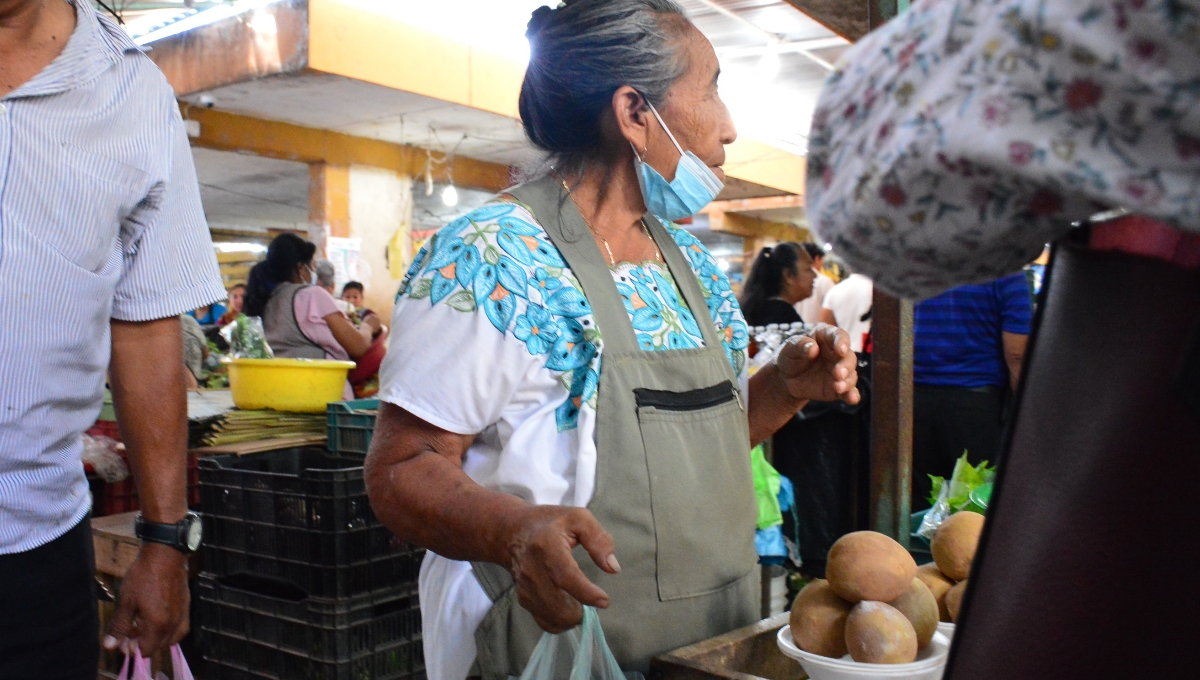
<point>819,620</point>
<point>954,544</point>
<point>866,565</point>
<point>921,610</point>
<point>938,586</point>
<point>879,633</point>
<point>954,599</point>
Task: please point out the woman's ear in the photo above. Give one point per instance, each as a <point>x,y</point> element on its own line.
<point>632,115</point>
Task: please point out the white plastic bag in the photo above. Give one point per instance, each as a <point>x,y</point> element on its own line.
<point>103,454</point>
<point>139,669</point>
<point>578,654</point>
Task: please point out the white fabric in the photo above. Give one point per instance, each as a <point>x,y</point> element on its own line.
<point>849,301</point>
<point>451,365</point>
<point>809,308</point>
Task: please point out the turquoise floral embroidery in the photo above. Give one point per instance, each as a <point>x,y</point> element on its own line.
<point>722,303</point>
<point>660,317</point>
<point>496,260</point>
<point>537,329</point>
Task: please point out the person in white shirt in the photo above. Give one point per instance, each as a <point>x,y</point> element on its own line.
<point>810,307</point>
<point>848,306</point>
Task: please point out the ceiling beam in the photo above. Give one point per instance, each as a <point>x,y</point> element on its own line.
<point>738,205</point>
<point>851,19</point>
<point>753,227</point>
<point>225,131</point>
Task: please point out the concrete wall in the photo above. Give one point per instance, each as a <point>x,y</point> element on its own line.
<point>380,205</point>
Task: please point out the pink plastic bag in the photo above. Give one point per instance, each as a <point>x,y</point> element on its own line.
<point>140,667</point>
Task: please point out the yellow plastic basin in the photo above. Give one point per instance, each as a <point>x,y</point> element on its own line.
<point>296,385</point>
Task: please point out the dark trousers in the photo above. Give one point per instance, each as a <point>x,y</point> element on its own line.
<point>947,421</point>
<point>49,623</point>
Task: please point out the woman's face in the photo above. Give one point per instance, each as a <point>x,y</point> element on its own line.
<point>693,111</point>
<point>306,272</point>
<point>798,283</point>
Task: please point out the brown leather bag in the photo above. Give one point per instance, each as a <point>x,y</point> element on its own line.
<point>1086,569</point>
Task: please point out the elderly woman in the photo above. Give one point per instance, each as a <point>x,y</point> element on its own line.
<point>567,379</point>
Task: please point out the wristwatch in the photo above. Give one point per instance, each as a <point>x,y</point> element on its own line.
<point>184,536</point>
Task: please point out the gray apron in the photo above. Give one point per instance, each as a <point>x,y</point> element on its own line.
<point>281,329</point>
<point>673,479</point>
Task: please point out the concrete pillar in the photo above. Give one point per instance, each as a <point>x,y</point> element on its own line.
<point>328,202</point>
<point>380,210</point>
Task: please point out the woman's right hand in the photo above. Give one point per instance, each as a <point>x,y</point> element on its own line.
<point>550,584</point>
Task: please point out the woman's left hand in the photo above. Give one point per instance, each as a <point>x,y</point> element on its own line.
<point>820,367</point>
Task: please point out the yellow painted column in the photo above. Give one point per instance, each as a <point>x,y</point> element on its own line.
<point>328,202</point>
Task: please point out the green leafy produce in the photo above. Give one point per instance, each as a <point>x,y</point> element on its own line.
<point>966,478</point>
<point>248,340</point>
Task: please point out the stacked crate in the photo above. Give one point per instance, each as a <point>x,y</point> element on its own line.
<point>300,579</point>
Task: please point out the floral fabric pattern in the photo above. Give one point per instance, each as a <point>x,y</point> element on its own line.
<point>498,260</point>
<point>951,144</point>
<point>659,315</point>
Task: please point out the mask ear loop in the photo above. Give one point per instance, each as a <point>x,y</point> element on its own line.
<point>664,127</point>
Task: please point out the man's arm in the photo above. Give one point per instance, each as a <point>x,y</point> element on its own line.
<point>149,394</point>
<point>1014,354</point>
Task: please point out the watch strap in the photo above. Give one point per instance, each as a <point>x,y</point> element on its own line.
<point>167,534</point>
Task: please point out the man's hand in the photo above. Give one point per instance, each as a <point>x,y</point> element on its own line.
<point>153,610</point>
<point>821,367</point>
<point>550,584</point>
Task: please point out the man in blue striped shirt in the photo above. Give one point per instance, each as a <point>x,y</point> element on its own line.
<point>103,244</point>
<point>969,343</point>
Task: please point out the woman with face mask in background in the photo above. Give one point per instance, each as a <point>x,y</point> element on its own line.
<point>300,319</point>
<point>568,368</point>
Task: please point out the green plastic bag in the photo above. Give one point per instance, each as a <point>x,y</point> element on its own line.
<point>766,489</point>
<point>578,654</point>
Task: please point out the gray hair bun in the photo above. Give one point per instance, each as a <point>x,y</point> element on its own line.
<point>580,53</point>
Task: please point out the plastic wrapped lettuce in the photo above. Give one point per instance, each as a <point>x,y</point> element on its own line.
<point>247,339</point>
<point>949,497</point>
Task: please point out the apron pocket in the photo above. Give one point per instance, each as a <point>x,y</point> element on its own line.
<point>701,489</point>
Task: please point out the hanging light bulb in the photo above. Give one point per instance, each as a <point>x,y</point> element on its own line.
<point>450,196</point>
<point>769,65</point>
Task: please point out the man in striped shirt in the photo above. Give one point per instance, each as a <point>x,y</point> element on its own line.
<point>968,347</point>
<point>102,245</point>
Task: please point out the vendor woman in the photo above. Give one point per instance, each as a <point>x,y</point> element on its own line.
<point>300,319</point>
<point>568,369</point>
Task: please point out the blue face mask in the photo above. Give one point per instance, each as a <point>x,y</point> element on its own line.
<point>694,187</point>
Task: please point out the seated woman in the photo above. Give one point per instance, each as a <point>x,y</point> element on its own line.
<point>300,319</point>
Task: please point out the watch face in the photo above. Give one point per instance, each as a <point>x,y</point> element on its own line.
<point>194,533</point>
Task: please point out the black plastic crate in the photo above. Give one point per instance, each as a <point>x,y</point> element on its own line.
<point>350,424</point>
<point>263,628</point>
<point>300,515</point>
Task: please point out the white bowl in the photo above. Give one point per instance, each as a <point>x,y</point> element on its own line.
<point>946,628</point>
<point>930,663</point>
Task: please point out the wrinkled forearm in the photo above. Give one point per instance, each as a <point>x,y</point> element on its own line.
<point>420,492</point>
<point>770,406</point>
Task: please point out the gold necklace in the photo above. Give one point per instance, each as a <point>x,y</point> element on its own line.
<point>612,261</point>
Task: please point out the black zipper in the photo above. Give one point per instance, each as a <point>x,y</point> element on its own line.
<point>693,400</point>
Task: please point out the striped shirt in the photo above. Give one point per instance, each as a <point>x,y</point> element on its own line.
<point>958,339</point>
<point>100,218</point>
